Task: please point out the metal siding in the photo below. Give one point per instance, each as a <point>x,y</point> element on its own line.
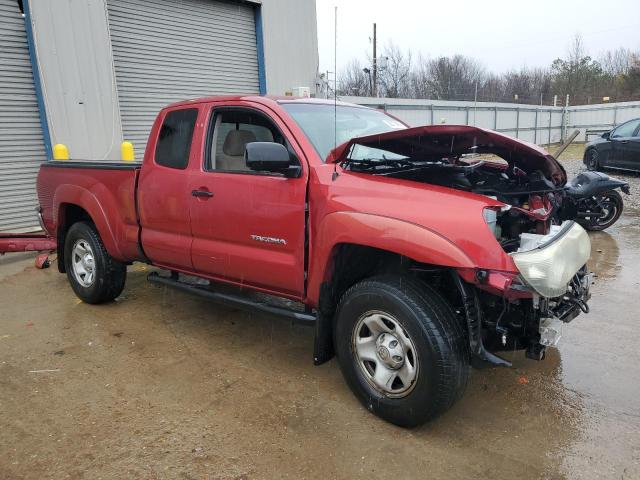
<point>165,51</point>
<point>22,147</point>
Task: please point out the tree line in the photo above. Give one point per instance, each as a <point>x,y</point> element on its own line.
<point>613,76</point>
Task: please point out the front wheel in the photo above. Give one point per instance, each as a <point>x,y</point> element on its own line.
<point>401,348</point>
<point>94,275</point>
<point>608,207</point>
<point>592,160</point>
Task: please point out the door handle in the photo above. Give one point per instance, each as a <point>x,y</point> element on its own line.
<point>202,193</point>
<point>624,141</point>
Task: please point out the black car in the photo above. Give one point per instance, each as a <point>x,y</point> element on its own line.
<point>619,148</point>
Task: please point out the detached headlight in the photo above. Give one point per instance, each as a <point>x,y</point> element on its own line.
<point>550,266</point>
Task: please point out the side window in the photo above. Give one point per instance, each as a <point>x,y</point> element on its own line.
<point>626,129</point>
<point>232,131</point>
<point>174,140</point>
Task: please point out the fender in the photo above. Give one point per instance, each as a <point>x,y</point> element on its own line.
<point>592,183</point>
<point>113,236</point>
<point>611,183</point>
<point>408,239</point>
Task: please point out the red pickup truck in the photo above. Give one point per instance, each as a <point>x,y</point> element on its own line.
<point>415,252</point>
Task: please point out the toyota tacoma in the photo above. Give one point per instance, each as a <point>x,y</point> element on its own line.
<point>416,253</point>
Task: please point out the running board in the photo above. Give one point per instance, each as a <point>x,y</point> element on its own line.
<point>231,300</point>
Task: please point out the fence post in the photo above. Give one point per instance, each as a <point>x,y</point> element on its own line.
<point>495,118</point>
<point>535,128</point>
<point>550,118</point>
<point>467,118</point>
<point>431,113</point>
<point>517,122</point>
<point>615,115</point>
<point>565,120</point>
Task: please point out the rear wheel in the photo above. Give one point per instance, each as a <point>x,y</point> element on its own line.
<point>608,205</point>
<point>592,160</point>
<point>401,349</point>
<point>94,275</point>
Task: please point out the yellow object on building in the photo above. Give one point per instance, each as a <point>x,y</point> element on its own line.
<point>60,152</point>
<point>126,150</point>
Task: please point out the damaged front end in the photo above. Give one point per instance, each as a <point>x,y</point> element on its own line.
<point>527,310</point>
<point>544,282</point>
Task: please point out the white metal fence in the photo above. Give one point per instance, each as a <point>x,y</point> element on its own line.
<point>536,124</point>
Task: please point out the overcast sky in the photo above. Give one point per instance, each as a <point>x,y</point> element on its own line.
<point>502,34</point>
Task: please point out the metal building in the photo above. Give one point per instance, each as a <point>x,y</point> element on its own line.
<point>94,73</point>
<point>21,135</point>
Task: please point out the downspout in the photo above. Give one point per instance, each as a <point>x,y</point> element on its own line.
<point>262,77</point>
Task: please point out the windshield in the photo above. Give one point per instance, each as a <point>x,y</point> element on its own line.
<point>317,122</point>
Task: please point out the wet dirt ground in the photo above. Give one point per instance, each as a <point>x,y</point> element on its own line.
<point>162,385</point>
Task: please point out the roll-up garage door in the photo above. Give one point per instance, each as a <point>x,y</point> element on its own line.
<point>21,141</point>
<point>167,50</point>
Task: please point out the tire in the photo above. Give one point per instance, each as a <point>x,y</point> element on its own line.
<point>104,277</point>
<point>614,200</point>
<point>591,160</point>
<point>425,325</point>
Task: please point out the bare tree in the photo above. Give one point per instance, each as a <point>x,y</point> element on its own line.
<point>616,62</point>
<point>395,78</point>
<point>527,85</point>
<point>419,81</point>
<point>454,78</point>
<point>354,81</point>
<point>577,75</point>
<point>616,75</point>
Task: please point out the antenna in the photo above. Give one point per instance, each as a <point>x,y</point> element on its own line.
<point>335,89</point>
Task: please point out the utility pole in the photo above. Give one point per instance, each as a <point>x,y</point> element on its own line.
<point>375,62</point>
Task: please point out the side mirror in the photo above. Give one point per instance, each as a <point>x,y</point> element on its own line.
<point>606,135</point>
<point>269,157</point>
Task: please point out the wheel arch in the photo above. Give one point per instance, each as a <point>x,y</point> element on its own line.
<point>382,234</point>
<point>362,246</point>
<point>74,204</point>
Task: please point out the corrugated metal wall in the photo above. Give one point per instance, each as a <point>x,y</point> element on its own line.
<point>165,51</point>
<point>600,117</point>
<point>536,124</point>
<point>21,140</point>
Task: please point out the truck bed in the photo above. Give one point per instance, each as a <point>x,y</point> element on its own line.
<point>107,193</point>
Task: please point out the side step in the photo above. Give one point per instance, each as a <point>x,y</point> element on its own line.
<point>232,300</point>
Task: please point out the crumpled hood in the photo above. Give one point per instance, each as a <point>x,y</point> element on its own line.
<point>443,140</point>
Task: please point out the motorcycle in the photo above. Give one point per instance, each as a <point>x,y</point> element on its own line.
<point>592,200</point>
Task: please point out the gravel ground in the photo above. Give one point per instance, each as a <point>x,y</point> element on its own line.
<point>571,159</point>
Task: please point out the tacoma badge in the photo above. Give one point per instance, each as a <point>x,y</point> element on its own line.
<point>260,238</point>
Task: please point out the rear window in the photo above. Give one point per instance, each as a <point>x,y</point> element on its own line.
<point>174,141</point>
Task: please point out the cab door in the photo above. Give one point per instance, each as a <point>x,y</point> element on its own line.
<point>621,145</point>
<point>631,158</point>
<point>163,189</point>
<point>248,227</point>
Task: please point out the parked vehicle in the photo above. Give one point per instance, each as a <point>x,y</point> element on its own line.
<point>619,148</point>
<point>593,201</point>
<point>412,260</point>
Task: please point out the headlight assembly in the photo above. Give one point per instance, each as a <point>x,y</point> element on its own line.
<point>552,263</point>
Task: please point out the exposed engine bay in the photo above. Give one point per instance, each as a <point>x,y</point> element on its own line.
<point>528,180</point>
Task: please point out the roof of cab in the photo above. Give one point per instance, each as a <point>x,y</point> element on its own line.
<point>271,100</point>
